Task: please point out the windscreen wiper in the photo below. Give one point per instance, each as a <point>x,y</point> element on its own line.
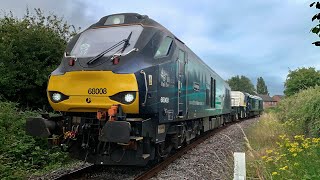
<point>118,55</point>
<point>125,41</point>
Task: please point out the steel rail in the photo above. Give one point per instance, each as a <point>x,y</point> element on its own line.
<point>81,172</point>
<point>162,165</point>
<point>75,174</point>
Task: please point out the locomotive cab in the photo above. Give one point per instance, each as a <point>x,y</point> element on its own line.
<point>102,65</point>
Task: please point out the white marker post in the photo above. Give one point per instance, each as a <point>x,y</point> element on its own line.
<point>239,166</point>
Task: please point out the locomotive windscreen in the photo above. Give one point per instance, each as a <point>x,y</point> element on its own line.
<point>94,41</point>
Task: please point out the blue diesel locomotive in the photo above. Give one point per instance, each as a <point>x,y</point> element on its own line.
<point>129,91</point>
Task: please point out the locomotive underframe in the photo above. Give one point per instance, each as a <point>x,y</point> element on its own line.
<point>148,140</point>
<point>144,145</point>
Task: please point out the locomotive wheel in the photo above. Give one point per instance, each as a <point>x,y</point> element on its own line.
<point>183,134</point>
<point>180,137</point>
<point>188,137</point>
<point>163,149</point>
<point>223,121</point>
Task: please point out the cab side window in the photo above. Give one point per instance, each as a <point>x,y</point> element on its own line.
<point>164,47</point>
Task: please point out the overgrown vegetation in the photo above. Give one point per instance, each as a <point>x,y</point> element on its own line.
<point>20,154</point>
<point>304,110</point>
<point>285,143</point>
<point>294,158</point>
<point>30,49</point>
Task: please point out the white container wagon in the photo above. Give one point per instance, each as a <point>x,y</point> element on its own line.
<point>245,105</point>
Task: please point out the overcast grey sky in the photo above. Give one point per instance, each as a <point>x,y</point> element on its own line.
<point>249,37</point>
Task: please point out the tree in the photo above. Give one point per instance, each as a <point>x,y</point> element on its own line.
<point>30,49</point>
<point>261,86</point>
<point>241,83</point>
<point>316,29</point>
<point>301,78</point>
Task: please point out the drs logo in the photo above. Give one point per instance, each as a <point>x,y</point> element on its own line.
<point>97,91</point>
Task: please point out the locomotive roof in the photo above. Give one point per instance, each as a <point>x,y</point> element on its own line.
<point>144,20</point>
<point>129,18</point>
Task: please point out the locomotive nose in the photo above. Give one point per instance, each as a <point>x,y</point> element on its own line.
<point>89,91</point>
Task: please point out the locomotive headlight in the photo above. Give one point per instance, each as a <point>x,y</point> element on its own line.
<point>129,97</point>
<point>126,97</point>
<point>56,97</point>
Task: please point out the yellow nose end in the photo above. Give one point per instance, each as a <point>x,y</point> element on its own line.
<point>89,91</point>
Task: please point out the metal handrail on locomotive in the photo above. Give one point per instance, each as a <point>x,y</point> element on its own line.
<point>129,91</point>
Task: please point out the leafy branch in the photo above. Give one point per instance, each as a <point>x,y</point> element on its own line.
<point>316,29</point>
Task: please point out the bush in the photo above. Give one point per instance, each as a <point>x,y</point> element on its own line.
<point>303,109</point>
<point>301,79</point>
<point>20,154</point>
<point>30,49</point>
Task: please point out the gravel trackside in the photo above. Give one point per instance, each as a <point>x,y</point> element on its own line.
<point>213,159</point>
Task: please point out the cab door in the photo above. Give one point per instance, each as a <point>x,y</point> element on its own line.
<point>181,84</point>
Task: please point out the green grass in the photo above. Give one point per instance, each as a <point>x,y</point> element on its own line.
<point>22,155</point>
<point>285,143</point>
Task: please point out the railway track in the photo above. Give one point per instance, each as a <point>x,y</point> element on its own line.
<point>162,165</point>
<point>154,170</point>
<point>76,174</point>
